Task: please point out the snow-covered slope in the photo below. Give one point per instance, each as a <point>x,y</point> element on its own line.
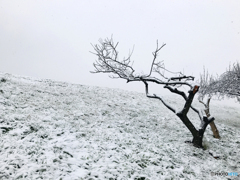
<point>55,130</point>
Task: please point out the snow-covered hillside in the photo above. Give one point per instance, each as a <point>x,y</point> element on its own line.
<point>55,130</point>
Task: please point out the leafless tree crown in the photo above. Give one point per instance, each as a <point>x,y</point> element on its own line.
<point>227,84</point>
<point>108,62</point>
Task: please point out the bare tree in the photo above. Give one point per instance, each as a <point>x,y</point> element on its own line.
<point>108,62</point>
<point>227,84</point>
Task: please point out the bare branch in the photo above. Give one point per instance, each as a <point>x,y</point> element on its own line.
<point>203,103</point>
<point>182,77</point>
<point>155,54</point>
<point>157,97</point>
<point>176,91</point>
<point>208,102</point>
<point>108,60</point>
<point>225,85</point>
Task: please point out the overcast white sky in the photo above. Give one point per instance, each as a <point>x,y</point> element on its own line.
<point>52,38</point>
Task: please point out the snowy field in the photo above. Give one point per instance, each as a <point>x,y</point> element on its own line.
<point>55,130</point>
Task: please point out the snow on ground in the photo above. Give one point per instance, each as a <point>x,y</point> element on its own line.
<point>55,130</point>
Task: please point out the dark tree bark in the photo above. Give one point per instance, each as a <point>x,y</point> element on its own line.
<point>197,134</point>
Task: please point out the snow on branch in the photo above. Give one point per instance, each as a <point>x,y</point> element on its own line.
<point>227,84</point>
<point>157,97</point>
<point>108,62</point>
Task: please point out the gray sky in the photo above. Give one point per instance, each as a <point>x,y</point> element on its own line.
<point>52,38</point>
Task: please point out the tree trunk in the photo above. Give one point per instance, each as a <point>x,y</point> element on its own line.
<point>214,130</point>
<point>197,134</point>
<point>197,141</point>
<point>198,138</point>
<point>212,124</point>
